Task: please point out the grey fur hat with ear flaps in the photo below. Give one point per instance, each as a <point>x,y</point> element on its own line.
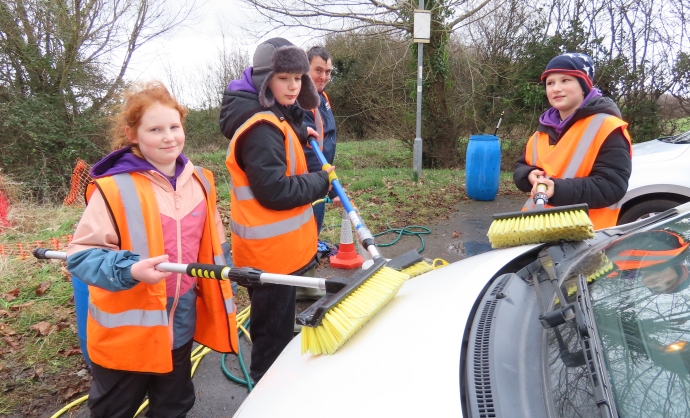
<point>278,55</point>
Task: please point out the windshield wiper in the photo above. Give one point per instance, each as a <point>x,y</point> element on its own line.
<point>682,138</point>
<point>580,312</point>
<point>591,346</point>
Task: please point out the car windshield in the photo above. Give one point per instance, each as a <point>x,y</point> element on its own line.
<point>682,138</point>
<point>641,303</point>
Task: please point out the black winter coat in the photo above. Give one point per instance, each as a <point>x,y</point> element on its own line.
<point>608,181</point>
<point>261,153</point>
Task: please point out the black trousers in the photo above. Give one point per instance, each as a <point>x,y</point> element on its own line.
<point>119,394</point>
<point>271,324</point>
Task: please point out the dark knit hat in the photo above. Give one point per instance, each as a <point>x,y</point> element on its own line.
<point>278,55</point>
<point>574,64</point>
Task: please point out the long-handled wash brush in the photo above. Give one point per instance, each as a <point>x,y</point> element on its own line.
<point>328,326</point>
<point>363,234</point>
<point>568,223</point>
<point>348,304</point>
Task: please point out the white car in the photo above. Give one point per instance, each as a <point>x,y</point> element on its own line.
<point>660,177</point>
<point>477,338</point>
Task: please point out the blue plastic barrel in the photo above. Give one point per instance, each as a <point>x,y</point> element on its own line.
<point>81,305</point>
<point>482,167</point>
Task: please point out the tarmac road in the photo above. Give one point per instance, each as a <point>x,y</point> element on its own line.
<point>460,236</point>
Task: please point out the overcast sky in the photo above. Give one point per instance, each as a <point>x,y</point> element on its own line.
<point>199,41</point>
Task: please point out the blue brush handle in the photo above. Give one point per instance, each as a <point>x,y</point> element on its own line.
<point>336,183</point>
<point>363,233</point>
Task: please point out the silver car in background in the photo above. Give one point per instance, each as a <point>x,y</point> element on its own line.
<point>660,177</point>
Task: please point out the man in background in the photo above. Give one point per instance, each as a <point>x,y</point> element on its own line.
<point>322,121</point>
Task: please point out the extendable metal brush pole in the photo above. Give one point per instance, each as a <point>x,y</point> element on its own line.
<point>363,234</point>
<point>243,275</point>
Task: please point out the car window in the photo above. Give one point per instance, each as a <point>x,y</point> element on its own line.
<point>642,312</point>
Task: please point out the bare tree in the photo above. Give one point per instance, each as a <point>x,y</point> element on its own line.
<point>78,50</point>
<point>394,17</point>
<point>61,63</point>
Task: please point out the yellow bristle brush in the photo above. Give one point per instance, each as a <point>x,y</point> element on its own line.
<point>567,223</point>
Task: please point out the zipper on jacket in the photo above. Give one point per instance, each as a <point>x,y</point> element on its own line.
<point>178,282</point>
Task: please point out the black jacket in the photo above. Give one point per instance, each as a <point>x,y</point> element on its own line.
<point>608,181</point>
<point>261,153</point>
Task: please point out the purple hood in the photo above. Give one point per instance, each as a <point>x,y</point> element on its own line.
<point>552,117</point>
<point>123,161</point>
<point>245,83</point>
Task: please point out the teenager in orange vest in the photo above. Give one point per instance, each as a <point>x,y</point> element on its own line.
<point>581,149</point>
<point>273,226</point>
<point>658,258</point>
<point>148,204</point>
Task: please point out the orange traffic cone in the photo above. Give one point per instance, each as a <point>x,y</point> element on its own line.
<point>347,257</point>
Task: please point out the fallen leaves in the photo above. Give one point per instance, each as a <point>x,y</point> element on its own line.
<point>20,306</point>
<point>66,275</point>
<point>6,330</point>
<point>42,288</point>
<point>11,343</point>
<point>43,328</point>
<point>11,295</point>
<point>70,351</point>
<point>456,234</point>
<point>74,390</point>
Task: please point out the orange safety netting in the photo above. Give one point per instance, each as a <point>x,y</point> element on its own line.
<point>4,209</point>
<point>80,178</point>
<point>23,250</point>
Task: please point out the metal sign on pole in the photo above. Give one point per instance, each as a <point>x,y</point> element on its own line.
<point>422,34</point>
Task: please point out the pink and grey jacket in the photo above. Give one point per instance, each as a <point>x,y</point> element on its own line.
<point>94,256</point>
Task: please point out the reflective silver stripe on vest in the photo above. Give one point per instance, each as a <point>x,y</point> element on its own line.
<point>225,247</point>
<point>583,145</point>
<point>274,229</point>
<point>132,317</point>
<point>534,149</point>
<point>640,258</point>
<point>243,193</point>
<point>293,153</point>
<point>616,206</point>
<point>204,180</point>
<point>133,214</point>
<point>318,122</point>
<point>230,305</point>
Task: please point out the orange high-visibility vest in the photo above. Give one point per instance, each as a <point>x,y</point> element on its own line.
<point>279,241</point>
<point>661,247</point>
<point>574,155</point>
<point>128,329</point>
<point>318,121</point>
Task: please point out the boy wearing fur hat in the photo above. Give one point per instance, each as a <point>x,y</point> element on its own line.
<point>273,227</point>
<point>581,150</point>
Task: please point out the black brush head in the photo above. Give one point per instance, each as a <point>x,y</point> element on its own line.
<point>405,260</point>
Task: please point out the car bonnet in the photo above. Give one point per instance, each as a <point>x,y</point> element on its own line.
<point>657,151</point>
<point>404,362</point>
